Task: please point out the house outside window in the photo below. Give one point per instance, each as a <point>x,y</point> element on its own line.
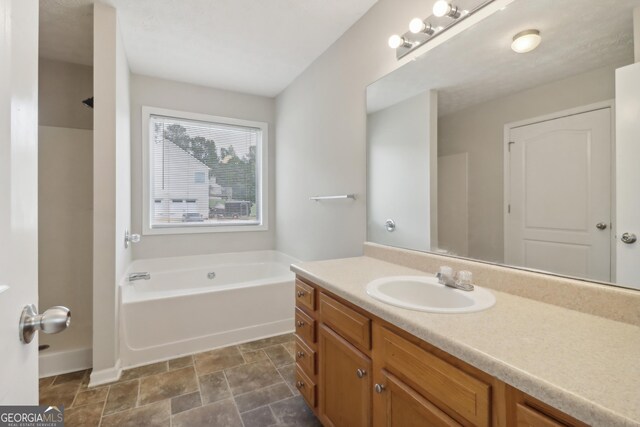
<point>209,173</point>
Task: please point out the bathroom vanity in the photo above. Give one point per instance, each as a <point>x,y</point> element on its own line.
<point>361,362</point>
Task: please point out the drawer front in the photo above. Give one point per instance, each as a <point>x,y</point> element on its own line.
<point>306,387</point>
<point>442,383</point>
<point>305,296</point>
<point>305,357</point>
<point>305,326</point>
<point>527,417</point>
<point>353,326</point>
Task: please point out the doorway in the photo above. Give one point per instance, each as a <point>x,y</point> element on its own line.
<point>558,193</point>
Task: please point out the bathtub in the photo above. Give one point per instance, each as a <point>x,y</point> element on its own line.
<point>196,303</point>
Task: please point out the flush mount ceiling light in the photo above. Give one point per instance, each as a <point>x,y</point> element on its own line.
<point>396,41</point>
<point>526,41</point>
<point>444,8</point>
<point>417,26</point>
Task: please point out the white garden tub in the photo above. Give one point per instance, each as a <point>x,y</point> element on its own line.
<point>184,309</point>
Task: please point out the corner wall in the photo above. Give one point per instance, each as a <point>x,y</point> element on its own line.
<point>321,122</point>
<point>112,180</point>
<point>155,92</point>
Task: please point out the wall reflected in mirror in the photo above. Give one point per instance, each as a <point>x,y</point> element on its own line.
<point>507,157</point>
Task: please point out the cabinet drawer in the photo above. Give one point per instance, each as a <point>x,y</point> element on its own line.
<point>306,387</point>
<point>527,417</point>
<point>305,357</point>
<point>353,326</point>
<point>450,388</point>
<point>305,295</point>
<point>305,326</point>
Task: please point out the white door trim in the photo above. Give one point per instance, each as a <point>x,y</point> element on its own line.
<point>553,116</point>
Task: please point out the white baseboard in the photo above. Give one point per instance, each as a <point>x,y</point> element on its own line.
<point>61,362</point>
<point>105,376</point>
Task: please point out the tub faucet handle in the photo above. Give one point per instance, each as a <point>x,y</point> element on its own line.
<point>130,238</point>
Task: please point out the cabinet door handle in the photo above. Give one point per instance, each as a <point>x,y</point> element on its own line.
<point>299,384</point>
<point>299,323</point>
<point>379,388</point>
<point>361,373</point>
<point>300,294</point>
<point>300,354</point>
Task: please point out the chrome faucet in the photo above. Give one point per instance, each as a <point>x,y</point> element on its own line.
<point>139,276</point>
<point>461,281</point>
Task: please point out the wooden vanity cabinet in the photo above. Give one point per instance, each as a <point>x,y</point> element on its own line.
<point>345,375</point>
<point>356,370</point>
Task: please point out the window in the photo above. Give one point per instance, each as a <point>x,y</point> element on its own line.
<point>212,171</point>
<point>199,177</point>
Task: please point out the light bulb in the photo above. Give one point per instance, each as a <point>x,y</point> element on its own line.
<point>417,25</point>
<point>395,41</point>
<point>526,41</point>
<point>441,8</point>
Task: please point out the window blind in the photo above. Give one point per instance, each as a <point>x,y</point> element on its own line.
<point>203,173</point>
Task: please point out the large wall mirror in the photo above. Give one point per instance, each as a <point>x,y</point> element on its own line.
<point>477,151</point>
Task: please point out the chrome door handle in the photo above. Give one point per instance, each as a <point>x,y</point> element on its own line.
<point>300,294</point>
<point>601,226</point>
<point>52,321</point>
<point>360,373</point>
<point>628,238</point>
<point>379,388</point>
<point>299,323</point>
<point>390,225</point>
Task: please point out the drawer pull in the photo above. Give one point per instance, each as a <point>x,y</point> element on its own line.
<point>299,384</point>
<point>300,354</point>
<point>299,323</point>
<point>379,388</point>
<point>361,373</point>
<point>301,294</point>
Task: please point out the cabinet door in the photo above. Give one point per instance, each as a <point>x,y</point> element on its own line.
<point>398,405</point>
<point>344,382</point>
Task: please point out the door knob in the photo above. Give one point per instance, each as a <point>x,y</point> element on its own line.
<point>628,238</point>
<point>52,321</point>
<point>601,226</point>
<point>390,225</point>
<point>360,373</point>
<point>379,388</point>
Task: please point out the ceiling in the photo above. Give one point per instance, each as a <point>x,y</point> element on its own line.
<point>478,64</point>
<point>250,46</point>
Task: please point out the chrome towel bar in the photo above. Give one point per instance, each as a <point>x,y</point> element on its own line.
<point>344,196</point>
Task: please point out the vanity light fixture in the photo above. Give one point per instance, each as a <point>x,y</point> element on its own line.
<point>417,26</point>
<point>396,41</point>
<point>444,8</point>
<point>445,16</point>
<point>526,41</point>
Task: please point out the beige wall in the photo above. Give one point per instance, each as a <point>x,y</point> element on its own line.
<point>479,131</point>
<point>154,92</point>
<point>65,221</point>
<point>110,187</point>
<point>62,86</point>
<point>65,198</point>
<point>399,153</point>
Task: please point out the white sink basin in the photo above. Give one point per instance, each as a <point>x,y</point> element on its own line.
<point>424,293</point>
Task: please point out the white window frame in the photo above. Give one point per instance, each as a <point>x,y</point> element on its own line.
<point>262,152</point>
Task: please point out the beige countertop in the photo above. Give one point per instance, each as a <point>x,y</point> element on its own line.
<point>582,364</point>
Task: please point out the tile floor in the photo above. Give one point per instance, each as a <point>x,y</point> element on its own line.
<point>248,385</point>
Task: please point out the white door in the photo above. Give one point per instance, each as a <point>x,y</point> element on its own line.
<point>18,196</point>
<point>628,175</point>
<point>559,187</point>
